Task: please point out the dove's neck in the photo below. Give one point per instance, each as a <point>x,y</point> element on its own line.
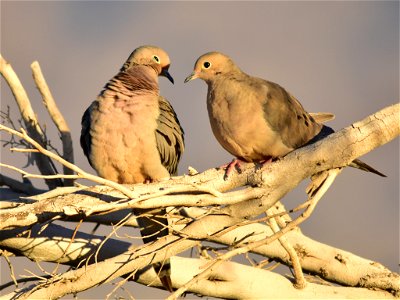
<point>226,78</point>
<point>137,80</point>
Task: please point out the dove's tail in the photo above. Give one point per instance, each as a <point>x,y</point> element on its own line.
<point>325,131</point>
<point>164,273</point>
<point>363,166</point>
<point>152,227</point>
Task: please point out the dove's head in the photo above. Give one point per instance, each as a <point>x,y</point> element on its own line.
<point>210,65</point>
<point>151,56</point>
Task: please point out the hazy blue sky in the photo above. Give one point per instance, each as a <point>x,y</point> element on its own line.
<point>341,57</point>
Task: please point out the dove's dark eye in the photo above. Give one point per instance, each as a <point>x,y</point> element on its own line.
<point>206,65</point>
<point>157,60</point>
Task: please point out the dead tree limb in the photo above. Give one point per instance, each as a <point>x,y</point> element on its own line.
<point>31,122</point>
<point>277,178</point>
<point>351,142</point>
<point>57,117</point>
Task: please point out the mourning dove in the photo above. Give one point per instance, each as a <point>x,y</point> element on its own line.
<point>131,134</point>
<point>253,119</point>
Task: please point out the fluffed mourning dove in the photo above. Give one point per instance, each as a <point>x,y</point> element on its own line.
<point>254,119</point>
<point>131,134</point>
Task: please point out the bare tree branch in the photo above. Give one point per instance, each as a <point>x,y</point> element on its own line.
<point>313,159</point>
<point>328,262</point>
<point>57,118</point>
<point>298,272</point>
<point>24,187</point>
<point>32,125</point>
<point>233,280</point>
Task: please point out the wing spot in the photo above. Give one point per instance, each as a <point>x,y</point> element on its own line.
<point>306,120</point>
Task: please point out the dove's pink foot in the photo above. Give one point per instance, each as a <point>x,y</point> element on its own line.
<point>234,164</point>
<point>266,161</point>
<point>262,163</point>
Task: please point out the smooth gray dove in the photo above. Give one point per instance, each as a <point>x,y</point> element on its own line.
<point>254,119</point>
<point>131,134</point>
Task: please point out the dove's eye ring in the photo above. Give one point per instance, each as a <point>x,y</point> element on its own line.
<point>156,59</point>
<point>206,65</point>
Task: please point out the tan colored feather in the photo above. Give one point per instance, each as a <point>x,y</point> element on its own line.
<point>131,134</point>
<point>255,119</point>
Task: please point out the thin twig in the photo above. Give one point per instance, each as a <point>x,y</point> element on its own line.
<point>10,266</point>
<point>24,150</point>
<point>120,284</point>
<point>115,228</point>
<point>22,280</point>
<point>300,281</point>
<point>14,168</point>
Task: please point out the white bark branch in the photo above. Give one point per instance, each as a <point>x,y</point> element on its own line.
<point>233,280</point>
<point>350,142</point>
<point>57,117</point>
<point>29,118</point>
<point>302,163</point>
<point>328,262</point>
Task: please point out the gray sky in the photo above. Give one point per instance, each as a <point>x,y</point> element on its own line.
<point>341,57</point>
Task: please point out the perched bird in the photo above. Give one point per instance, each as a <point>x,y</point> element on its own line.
<point>131,134</point>
<point>254,119</point>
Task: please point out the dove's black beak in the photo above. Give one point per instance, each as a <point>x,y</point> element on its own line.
<point>192,76</point>
<point>165,73</point>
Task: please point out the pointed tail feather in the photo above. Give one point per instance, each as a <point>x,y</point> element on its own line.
<point>152,229</point>
<point>358,164</point>
<point>163,271</point>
